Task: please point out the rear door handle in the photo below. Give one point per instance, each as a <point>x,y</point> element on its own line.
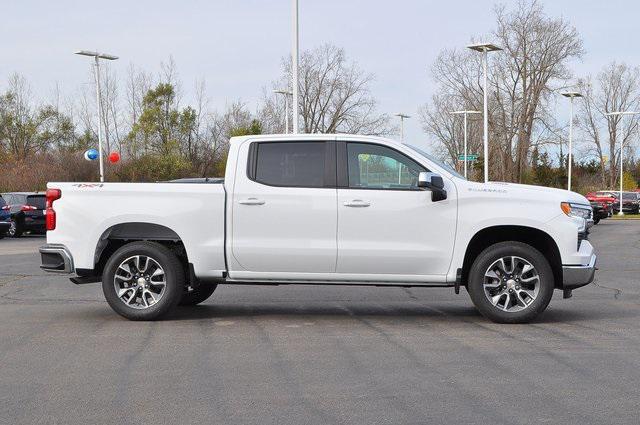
<point>357,203</point>
<point>251,201</point>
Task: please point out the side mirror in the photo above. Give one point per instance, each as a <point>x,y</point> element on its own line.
<point>434,183</point>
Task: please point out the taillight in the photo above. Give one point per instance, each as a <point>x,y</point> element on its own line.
<point>28,208</point>
<point>50,214</point>
<point>6,208</point>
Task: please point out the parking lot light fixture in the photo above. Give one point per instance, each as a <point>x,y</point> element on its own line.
<point>615,114</point>
<point>485,48</point>
<point>286,94</point>
<point>465,113</point>
<point>402,118</point>
<point>571,95</point>
<point>97,56</point>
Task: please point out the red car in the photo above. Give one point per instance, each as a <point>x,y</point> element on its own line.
<point>602,203</point>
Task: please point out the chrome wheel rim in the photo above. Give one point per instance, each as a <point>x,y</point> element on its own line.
<point>511,284</point>
<point>140,282</point>
<point>12,229</point>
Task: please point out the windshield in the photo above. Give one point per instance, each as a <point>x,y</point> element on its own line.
<point>438,162</point>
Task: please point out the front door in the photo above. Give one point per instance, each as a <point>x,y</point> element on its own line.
<point>284,209</point>
<point>388,228</point>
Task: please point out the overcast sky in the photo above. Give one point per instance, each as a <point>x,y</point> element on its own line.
<point>236,46</point>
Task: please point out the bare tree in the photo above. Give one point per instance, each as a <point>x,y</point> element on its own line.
<point>537,49</point>
<point>334,95</point>
<point>448,129</point>
<point>617,88</point>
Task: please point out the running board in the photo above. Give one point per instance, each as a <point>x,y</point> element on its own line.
<point>336,283</point>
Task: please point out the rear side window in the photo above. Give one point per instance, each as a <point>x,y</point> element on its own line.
<point>291,164</point>
<point>37,201</point>
<point>2,202</point>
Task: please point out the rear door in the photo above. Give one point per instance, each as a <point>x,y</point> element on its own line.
<point>284,209</point>
<point>388,228</point>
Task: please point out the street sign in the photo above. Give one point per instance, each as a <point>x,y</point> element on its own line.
<point>471,157</point>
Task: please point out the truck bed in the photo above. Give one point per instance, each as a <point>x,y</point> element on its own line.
<point>88,212</point>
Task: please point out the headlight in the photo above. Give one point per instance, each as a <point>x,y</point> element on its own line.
<point>578,213</point>
<point>576,210</point>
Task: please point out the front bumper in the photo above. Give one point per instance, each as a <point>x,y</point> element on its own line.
<point>56,258</point>
<point>576,276</point>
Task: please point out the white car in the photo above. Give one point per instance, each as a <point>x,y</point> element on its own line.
<point>321,209</point>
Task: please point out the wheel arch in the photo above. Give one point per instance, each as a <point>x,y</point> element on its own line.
<point>537,238</point>
<point>121,234</point>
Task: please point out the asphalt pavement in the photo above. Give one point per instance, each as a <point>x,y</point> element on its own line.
<point>320,355</point>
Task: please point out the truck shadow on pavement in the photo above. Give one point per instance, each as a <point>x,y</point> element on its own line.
<point>435,312</point>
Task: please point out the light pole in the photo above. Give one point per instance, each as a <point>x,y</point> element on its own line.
<point>485,48</point>
<point>620,113</point>
<point>465,113</point>
<point>571,95</point>
<point>97,56</point>
<point>402,118</point>
<point>286,94</point>
<point>295,55</point>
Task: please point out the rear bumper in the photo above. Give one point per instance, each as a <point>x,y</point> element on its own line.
<point>4,227</point>
<point>56,258</point>
<point>576,276</point>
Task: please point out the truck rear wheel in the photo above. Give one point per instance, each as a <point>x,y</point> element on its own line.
<point>143,281</point>
<point>197,295</point>
<point>510,282</point>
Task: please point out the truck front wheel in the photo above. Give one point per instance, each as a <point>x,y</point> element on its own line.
<point>143,281</point>
<point>510,282</point>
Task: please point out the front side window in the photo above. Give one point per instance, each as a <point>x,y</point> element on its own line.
<point>379,167</point>
<point>293,164</point>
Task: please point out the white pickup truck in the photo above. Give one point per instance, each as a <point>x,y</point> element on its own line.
<point>321,209</point>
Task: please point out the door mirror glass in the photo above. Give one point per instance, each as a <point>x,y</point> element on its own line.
<point>433,182</point>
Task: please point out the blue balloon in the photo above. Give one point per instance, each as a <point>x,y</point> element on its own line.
<point>91,155</point>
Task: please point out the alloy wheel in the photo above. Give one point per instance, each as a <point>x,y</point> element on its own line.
<point>140,282</point>
<point>511,284</point>
<point>12,229</point>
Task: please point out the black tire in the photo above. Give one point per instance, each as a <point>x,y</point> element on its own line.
<point>200,294</point>
<point>596,220</point>
<point>174,280</point>
<point>494,253</point>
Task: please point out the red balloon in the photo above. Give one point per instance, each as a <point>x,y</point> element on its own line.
<point>114,157</point>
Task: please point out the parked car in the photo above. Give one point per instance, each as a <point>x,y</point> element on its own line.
<point>599,211</point>
<point>27,212</point>
<point>630,203</point>
<point>318,209</point>
<point>5,218</point>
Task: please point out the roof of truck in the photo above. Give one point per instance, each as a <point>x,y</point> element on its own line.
<point>312,136</point>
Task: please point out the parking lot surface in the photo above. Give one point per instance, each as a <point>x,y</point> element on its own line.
<point>321,355</point>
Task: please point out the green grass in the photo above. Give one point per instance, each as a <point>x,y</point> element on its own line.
<point>625,217</point>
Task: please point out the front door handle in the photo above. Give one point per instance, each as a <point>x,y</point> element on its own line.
<point>357,203</point>
<point>251,201</point>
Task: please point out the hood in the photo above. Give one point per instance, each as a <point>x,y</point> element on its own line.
<point>561,195</point>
